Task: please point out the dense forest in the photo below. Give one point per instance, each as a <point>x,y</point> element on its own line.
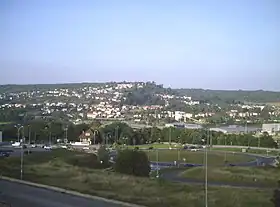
<point>231,96</point>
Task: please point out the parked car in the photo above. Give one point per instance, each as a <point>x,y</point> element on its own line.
<point>33,146</point>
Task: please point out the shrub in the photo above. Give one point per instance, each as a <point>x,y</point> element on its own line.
<point>103,155</point>
<point>132,162</point>
<point>276,196</point>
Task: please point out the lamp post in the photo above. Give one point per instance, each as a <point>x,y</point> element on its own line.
<point>225,147</point>
<point>66,134</point>
<point>29,134</point>
<point>157,164</point>
<point>19,127</point>
<point>94,136</point>
<point>206,141</point>
<point>48,127</point>
<point>206,169</point>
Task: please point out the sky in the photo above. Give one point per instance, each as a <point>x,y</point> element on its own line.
<point>213,44</point>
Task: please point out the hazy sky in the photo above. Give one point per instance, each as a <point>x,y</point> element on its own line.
<point>218,44</point>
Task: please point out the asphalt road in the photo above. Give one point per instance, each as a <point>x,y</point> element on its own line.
<point>21,195</point>
<point>174,176</point>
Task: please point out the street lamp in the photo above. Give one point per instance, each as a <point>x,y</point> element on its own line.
<point>29,133</point>
<point>50,133</point>
<point>66,134</point>
<point>206,141</point>
<point>21,154</point>
<point>225,148</point>
<point>19,127</point>
<point>94,136</point>
<point>157,164</point>
<point>206,169</point>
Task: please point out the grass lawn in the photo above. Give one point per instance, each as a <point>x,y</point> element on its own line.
<point>5,122</point>
<point>155,146</point>
<point>214,158</point>
<point>253,151</point>
<point>266,176</point>
<point>64,169</point>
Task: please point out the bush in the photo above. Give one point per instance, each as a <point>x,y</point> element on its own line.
<point>103,155</point>
<point>276,196</point>
<point>132,162</point>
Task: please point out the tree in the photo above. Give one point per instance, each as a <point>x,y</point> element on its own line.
<point>103,155</point>
<point>132,162</point>
<point>276,196</point>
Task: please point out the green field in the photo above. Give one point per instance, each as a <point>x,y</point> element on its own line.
<point>79,171</point>
<point>214,158</point>
<point>5,122</point>
<point>253,151</point>
<point>155,146</point>
<point>264,176</point>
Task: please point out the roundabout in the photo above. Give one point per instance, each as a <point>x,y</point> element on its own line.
<point>234,169</point>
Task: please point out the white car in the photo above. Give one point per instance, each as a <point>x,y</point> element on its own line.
<point>33,146</point>
<point>47,147</point>
<point>194,150</point>
<point>16,144</point>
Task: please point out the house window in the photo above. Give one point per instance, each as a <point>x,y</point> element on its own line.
<point>87,134</point>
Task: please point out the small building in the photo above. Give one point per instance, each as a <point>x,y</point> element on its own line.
<point>86,136</point>
<point>271,128</point>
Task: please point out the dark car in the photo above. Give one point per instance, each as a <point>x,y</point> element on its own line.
<point>4,154</point>
<point>186,147</point>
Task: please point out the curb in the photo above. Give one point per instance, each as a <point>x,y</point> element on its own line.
<point>70,192</point>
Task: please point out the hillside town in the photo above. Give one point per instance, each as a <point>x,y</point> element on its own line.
<point>108,101</point>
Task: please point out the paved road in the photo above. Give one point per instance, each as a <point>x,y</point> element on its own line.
<point>174,175</point>
<point>20,195</point>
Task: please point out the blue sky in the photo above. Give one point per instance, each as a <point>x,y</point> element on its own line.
<point>217,44</point>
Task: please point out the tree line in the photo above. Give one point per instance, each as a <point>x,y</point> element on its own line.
<point>121,133</point>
